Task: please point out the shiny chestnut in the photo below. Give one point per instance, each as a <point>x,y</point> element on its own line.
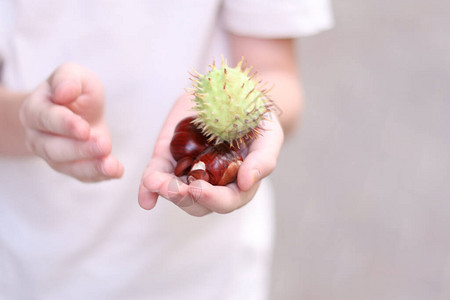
<point>218,165</point>
<point>187,140</point>
<point>187,143</point>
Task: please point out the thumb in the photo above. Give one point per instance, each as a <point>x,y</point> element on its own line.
<point>66,83</point>
<point>66,91</point>
<point>262,157</point>
<point>79,89</point>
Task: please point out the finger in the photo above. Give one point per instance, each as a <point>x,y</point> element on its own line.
<point>79,89</point>
<point>171,188</point>
<point>158,180</point>
<point>65,90</point>
<point>220,199</point>
<point>111,167</point>
<point>154,183</point>
<point>92,170</point>
<point>262,157</point>
<point>146,199</point>
<point>190,206</point>
<point>176,191</point>
<point>165,185</point>
<point>150,184</point>
<point>39,113</point>
<point>57,149</point>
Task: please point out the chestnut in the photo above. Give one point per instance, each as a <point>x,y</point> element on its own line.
<point>187,140</point>
<point>183,166</point>
<point>217,164</point>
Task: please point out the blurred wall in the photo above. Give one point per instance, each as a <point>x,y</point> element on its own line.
<point>364,186</point>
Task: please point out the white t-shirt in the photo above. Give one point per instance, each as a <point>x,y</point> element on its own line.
<point>62,239</point>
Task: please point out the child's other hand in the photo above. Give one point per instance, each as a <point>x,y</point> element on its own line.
<point>64,125</point>
<point>201,198</point>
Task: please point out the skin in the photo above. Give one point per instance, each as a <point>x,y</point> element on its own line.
<point>62,121</point>
<point>201,198</point>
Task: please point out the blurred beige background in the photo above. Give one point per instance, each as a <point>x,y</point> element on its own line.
<point>364,185</point>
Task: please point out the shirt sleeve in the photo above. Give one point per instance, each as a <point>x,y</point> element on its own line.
<point>276,18</point>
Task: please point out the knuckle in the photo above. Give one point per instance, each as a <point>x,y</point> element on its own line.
<point>98,170</point>
<point>66,124</point>
<point>47,154</point>
<point>42,119</point>
<point>31,146</point>
<point>81,151</point>
<point>32,142</point>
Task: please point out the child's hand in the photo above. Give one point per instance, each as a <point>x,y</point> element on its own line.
<point>200,198</point>
<point>64,125</point>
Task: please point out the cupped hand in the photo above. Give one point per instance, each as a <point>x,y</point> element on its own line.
<point>200,198</point>
<point>64,124</point>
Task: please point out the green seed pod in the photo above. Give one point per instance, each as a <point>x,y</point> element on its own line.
<point>230,104</point>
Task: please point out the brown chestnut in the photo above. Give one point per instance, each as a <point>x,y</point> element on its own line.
<point>187,140</point>
<point>183,166</point>
<point>218,165</point>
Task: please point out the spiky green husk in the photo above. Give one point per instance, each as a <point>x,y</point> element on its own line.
<point>230,104</point>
